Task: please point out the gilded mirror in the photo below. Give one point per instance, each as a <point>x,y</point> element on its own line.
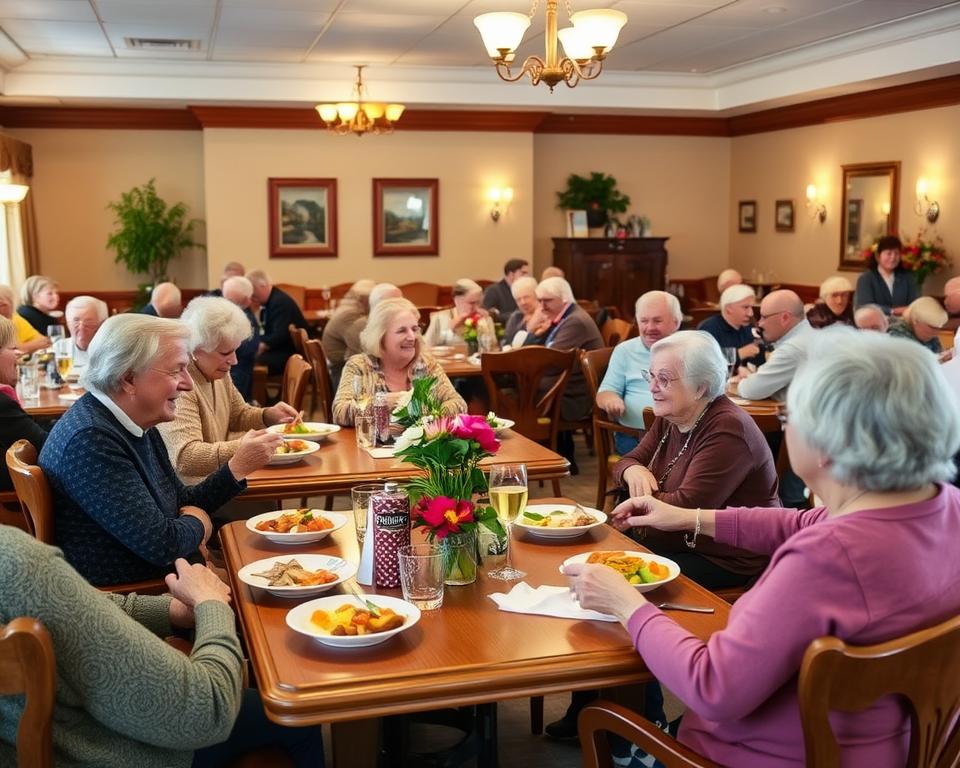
<point>870,204</point>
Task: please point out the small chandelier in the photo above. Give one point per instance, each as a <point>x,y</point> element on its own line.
<point>586,44</point>
<point>360,117</point>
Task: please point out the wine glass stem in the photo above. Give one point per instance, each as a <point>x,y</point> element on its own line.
<point>508,563</point>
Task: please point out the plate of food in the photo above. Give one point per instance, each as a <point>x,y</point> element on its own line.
<point>344,621</point>
<point>304,430</point>
<point>497,424</point>
<point>296,526</point>
<point>302,575</point>
<point>643,570</point>
<point>559,521</point>
<point>292,451</point>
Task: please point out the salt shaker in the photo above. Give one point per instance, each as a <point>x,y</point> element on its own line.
<point>391,530</point>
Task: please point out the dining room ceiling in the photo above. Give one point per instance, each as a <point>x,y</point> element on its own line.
<point>181,49</point>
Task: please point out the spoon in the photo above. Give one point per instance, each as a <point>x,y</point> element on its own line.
<point>679,607</point>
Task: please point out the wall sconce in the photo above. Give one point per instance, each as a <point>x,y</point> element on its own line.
<point>500,195</point>
<point>925,206</point>
<point>817,210</point>
<point>11,194</point>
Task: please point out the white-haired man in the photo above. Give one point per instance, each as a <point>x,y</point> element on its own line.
<point>733,327</point>
<point>165,301</point>
<point>239,290</point>
<point>84,316</point>
<point>278,311</point>
<point>871,317</point>
<point>624,393</point>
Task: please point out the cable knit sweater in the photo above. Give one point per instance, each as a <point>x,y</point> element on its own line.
<point>124,697</point>
<point>117,500</point>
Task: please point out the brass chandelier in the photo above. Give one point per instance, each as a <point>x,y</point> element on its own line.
<point>360,117</point>
<point>586,43</point>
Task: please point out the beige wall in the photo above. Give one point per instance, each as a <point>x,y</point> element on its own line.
<point>779,165</point>
<point>237,164</point>
<point>77,172</point>
<point>681,183</point>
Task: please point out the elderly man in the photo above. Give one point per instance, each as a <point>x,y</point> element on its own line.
<point>230,269</point>
<point>871,317</point>
<point>29,339</point>
<point>624,392</point>
<point>733,327</point>
<point>528,325</point>
<point>921,322</point>
<point>84,316</point>
<point>728,278</point>
<point>383,291</point>
<point>951,295</point>
<point>341,335</point>
<point>239,290</point>
<point>278,311</point>
<point>121,513</point>
<point>164,301</point>
<point>498,298</point>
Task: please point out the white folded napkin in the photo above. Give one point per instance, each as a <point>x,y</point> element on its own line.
<point>381,453</point>
<point>545,601</point>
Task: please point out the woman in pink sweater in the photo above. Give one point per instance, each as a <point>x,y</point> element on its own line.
<point>872,430</point>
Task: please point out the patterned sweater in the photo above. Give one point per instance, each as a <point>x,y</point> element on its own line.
<point>124,697</point>
<point>117,500</point>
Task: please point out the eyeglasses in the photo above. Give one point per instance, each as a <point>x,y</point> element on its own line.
<point>663,381</point>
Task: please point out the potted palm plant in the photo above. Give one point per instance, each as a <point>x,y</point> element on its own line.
<point>597,195</point>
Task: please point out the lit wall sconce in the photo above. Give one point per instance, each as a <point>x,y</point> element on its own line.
<point>500,197</point>
<point>10,194</point>
<point>885,207</point>
<point>925,206</point>
<point>817,210</point>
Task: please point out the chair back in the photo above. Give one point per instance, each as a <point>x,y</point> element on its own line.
<point>648,417</point>
<point>513,386</point>
<point>296,292</point>
<point>296,376</point>
<point>296,339</point>
<point>28,667</point>
<point>32,488</point>
<point>321,377</point>
<point>923,668</point>
<point>421,294</point>
<point>425,313</point>
<point>614,331</point>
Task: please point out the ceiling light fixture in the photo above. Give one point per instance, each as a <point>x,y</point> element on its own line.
<point>360,117</point>
<point>586,44</point>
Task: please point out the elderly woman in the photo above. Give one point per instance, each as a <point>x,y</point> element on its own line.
<point>28,339</point>
<point>447,325</point>
<point>15,423</point>
<point>886,283</point>
<point>121,512</point>
<point>392,358</point>
<point>921,322</point>
<point>846,569</point>
<point>38,300</point>
<point>341,335</point>
<point>834,305</point>
<point>527,322</point>
<point>212,417</point>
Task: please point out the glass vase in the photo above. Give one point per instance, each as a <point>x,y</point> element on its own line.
<point>459,558</point>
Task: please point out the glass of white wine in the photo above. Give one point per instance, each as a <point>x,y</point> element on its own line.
<point>508,496</point>
<point>362,396</point>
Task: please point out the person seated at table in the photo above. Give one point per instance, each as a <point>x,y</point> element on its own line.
<point>921,322</point>
<point>124,697</point>
<point>212,417</point>
<point>382,291</point>
<point>28,339</point>
<point>870,317</point>
<point>733,327</point>
<point>15,423</point>
<point>230,269</point>
<point>729,277</point>
<point>120,512</point>
<point>238,290</point>
<point>448,325</point>
<point>84,316</point>
<point>528,321</point>
<point>624,391</point>
<point>886,283</point>
<point>38,303</point>
<point>834,304</point>
<point>951,295</point>
<point>341,334</point>
<point>840,569</point>
<point>278,311</point>
<point>392,358</point>
<point>551,272</point>
<point>498,298</point>
<point>165,301</point>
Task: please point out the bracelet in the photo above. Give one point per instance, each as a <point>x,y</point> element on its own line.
<point>696,532</point>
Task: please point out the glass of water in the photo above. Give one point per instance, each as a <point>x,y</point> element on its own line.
<point>730,355</point>
<point>421,575</point>
<point>360,496</point>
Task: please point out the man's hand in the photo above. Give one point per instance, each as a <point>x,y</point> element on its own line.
<point>612,403</point>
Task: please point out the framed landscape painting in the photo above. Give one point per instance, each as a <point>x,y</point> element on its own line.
<point>406,217</point>
<point>747,221</point>
<point>784,216</point>
<point>303,217</point>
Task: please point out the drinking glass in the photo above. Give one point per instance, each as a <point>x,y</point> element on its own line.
<point>29,376</point>
<point>325,293</point>
<point>730,355</point>
<point>55,333</point>
<point>360,496</point>
<point>421,575</point>
<point>364,431</point>
<point>362,396</point>
<point>508,496</point>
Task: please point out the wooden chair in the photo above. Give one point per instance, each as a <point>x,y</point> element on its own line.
<point>923,668</point>
<point>296,376</point>
<point>421,294</point>
<point>322,383</point>
<point>296,338</point>
<point>614,331</point>
<point>28,667</point>
<point>296,292</point>
<point>513,386</point>
<point>425,313</point>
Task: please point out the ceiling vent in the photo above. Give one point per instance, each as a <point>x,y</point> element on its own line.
<point>161,44</point>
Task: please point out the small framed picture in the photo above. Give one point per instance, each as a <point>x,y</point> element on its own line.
<point>747,221</point>
<point>303,217</point>
<point>784,216</point>
<point>577,224</point>
<point>406,217</point>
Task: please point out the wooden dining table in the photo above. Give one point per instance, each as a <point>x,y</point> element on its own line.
<point>467,652</point>
<point>49,403</point>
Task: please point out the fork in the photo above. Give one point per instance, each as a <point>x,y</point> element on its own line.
<point>355,591</point>
<point>679,607</point>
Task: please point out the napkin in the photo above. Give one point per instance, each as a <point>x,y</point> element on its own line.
<point>545,601</point>
<point>381,453</point>
<point>70,396</point>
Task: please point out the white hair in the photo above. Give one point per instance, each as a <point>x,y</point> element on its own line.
<point>238,286</point>
<point>522,285</point>
<point>556,287</point>
<point>382,291</point>
<point>670,301</point>
<point>87,302</point>
<point>736,293</point>
<point>867,309</point>
<point>215,322</point>
<point>127,343</point>
<point>701,361</point>
<point>901,436</point>
<point>258,278</point>
<point>371,337</point>
<point>465,286</point>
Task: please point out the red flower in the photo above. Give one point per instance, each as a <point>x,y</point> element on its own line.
<point>442,514</point>
<point>475,428</point>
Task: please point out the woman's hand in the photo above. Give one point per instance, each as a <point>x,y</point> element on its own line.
<point>640,481</point>
<point>281,413</point>
<point>648,512</point>
<point>599,588</point>
<point>194,584</point>
<point>255,449</point>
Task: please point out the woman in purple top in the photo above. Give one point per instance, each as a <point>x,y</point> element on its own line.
<point>876,562</point>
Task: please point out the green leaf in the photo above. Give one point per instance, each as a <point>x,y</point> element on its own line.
<point>533,516</point>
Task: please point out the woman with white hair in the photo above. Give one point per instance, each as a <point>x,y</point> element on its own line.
<point>527,321</point>
<point>921,322</point>
<point>121,512</point>
<point>835,304</point>
<point>875,562</point>
<point>28,339</point>
<point>38,302</point>
<point>212,417</point>
<point>392,358</point>
<point>447,325</point>
<point>341,335</point>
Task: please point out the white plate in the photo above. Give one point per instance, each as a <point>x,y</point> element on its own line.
<point>674,568</point>
<point>298,619</point>
<point>503,425</point>
<point>342,568</point>
<point>336,518</point>
<point>558,533</point>
<point>279,459</point>
<point>441,351</point>
<point>318,431</point>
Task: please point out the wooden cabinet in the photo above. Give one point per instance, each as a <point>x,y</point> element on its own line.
<point>611,271</point>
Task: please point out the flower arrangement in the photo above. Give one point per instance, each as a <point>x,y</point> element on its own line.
<point>471,328</point>
<point>420,405</point>
<point>922,257</point>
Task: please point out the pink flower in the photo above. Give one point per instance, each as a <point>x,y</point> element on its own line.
<point>444,515</point>
<point>475,428</point>
<point>437,428</point>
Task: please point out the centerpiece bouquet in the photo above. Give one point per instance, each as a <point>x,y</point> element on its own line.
<point>921,257</point>
<point>471,332</point>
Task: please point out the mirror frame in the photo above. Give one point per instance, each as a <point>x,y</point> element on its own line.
<point>868,169</point>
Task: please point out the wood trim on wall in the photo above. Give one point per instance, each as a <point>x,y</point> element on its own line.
<point>120,118</point>
<point>637,125</point>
